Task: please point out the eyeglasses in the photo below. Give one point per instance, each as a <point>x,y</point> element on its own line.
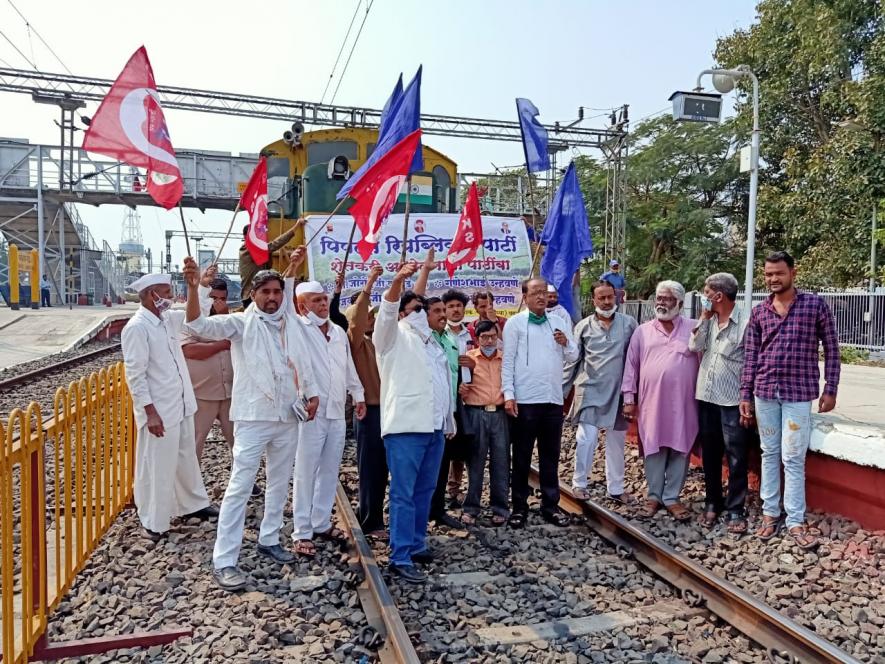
<point>488,337</point>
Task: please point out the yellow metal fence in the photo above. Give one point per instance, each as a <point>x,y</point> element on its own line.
<point>63,481</point>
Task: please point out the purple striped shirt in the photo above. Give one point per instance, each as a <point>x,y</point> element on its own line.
<point>781,354</point>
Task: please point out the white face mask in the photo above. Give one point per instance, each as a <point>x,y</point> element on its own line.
<point>606,313</point>
<point>418,321</point>
<point>162,304</point>
<point>316,320</point>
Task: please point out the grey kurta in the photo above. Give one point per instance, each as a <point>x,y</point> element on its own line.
<point>598,371</point>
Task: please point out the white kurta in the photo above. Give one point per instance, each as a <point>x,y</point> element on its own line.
<point>167,474</point>
<point>321,441</point>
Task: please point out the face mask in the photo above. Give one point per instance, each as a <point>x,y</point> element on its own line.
<point>162,304</point>
<point>706,303</point>
<point>316,320</point>
<point>488,351</point>
<point>418,320</point>
<point>605,313</point>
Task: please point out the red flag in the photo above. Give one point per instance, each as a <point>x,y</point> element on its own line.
<point>468,235</point>
<point>129,126</point>
<point>254,200</point>
<point>378,189</point>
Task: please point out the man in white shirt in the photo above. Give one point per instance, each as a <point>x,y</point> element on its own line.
<point>167,474</point>
<point>555,308</point>
<point>536,348</point>
<point>416,414</point>
<point>273,388</point>
<point>44,291</point>
<point>321,441</point>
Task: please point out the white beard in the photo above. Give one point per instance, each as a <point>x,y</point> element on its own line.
<point>666,314</point>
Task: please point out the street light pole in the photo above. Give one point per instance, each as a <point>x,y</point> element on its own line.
<point>721,76</point>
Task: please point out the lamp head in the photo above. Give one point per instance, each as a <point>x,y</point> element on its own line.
<point>723,83</point>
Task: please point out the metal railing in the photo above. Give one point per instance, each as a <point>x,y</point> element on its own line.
<point>63,481</point>
<point>860,315</point>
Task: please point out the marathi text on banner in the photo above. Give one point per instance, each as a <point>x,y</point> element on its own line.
<point>506,262</point>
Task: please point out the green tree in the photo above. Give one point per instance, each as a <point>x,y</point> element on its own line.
<point>821,68</point>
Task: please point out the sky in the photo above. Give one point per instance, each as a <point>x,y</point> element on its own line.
<point>477,57</point>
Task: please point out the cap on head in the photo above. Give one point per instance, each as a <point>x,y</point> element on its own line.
<point>614,263</point>
<point>551,288</point>
<point>308,287</point>
<point>149,280</point>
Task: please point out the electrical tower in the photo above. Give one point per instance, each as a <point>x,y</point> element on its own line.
<point>131,246</point>
<point>615,152</point>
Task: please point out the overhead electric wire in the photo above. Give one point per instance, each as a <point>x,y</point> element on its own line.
<point>40,37</point>
<point>17,49</point>
<point>341,50</point>
<point>352,48</point>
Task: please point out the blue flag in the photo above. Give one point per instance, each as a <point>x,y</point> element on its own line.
<point>402,118</point>
<point>567,236</point>
<point>384,123</point>
<point>534,137</point>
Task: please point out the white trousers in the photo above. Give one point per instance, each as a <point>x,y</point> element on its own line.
<point>168,482</point>
<point>252,440</point>
<point>586,441</point>
<point>316,476</point>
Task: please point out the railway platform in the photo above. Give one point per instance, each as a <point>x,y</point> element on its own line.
<point>31,334</point>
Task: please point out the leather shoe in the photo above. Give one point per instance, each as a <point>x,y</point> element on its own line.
<point>277,552</point>
<point>424,557</point>
<point>408,573</point>
<point>152,535</point>
<point>229,578</point>
<point>448,521</point>
<point>208,512</point>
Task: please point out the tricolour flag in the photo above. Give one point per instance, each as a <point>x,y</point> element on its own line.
<point>567,236</point>
<point>468,235</point>
<point>129,126</point>
<point>534,137</point>
<point>254,201</point>
<point>377,190</point>
<point>402,118</point>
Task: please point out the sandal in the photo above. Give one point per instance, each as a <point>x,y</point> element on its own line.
<point>333,535</point>
<point>517,520</point>
<point>379,535</point>
<point>580,494</point>
<point>557,518</point>
<point>737,525</point>
<point>709,518</point>
<point>803,538</point>
<point>468,519</point>
<point>679,512</point>
<point>305,548</point>
<point>770,527</point>
<point>498,520</point>
<point>651,507</point>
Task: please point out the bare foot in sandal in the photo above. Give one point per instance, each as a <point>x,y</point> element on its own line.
<point>305,548</point>
<point>803,538</point>
<point>769,528</point>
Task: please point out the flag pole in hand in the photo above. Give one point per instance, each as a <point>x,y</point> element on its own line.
<point>402,258</point>
<point>229,229</point>
<point>349,247</point>
<point>187,241</point>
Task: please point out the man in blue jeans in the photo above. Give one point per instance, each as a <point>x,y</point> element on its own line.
<point>416,414</point>
<point>781,374</point>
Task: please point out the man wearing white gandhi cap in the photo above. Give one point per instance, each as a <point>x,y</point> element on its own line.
<point>321,441</point>
<point>167,474</point>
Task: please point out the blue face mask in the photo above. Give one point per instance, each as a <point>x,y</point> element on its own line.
<point>706,303</point>
<point>488,351</point>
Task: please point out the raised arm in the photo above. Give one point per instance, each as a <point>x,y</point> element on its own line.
<point>385,333</point>
<point>356,330</point>
<point>427,267</point>
<point>227,326</point>
<point>283,239</point>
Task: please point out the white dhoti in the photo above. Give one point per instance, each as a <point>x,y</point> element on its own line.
<point>252,440</point>
<point>316,476</point>
<point>168,482</point>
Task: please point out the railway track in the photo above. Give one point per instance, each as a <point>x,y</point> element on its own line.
<point>697,590</point>
<point>66,363</point>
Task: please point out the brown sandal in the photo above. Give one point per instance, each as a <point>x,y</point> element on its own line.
<point>737,525</point>
<point>333,535</point>
<point>770,527</point>
<point>468,519</point>
<point>708,519</point>
<point>651,507</point>
<point>803,538</point>
<point>679,512</point>
<point>305,548</point>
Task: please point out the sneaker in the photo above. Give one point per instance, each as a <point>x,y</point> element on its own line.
<point>408,573</point>
<point>449,521</point>
<point>424,557</point>
<point>230,579</point>
<point>277,552</point>
<point>208,512</point>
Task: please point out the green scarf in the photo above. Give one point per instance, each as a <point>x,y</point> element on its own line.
<point>537,320</point>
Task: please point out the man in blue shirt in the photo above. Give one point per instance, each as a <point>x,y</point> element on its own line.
<point>616,279</point>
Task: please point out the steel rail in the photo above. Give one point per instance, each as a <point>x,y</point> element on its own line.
<point>63,364</point>
<point>397,644</point>
<point>784,639</point>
